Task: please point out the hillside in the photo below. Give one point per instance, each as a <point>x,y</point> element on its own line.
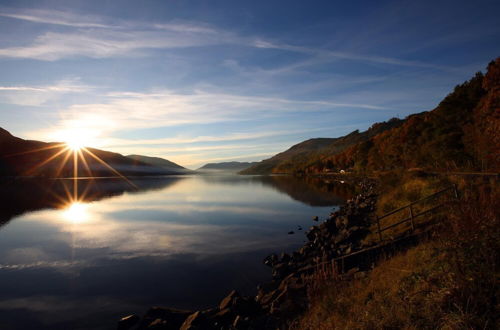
<point>226,166</point>
<point>461,133</point>
<point>20,157</point>
<point>159,162</point>
<point>304,153</point>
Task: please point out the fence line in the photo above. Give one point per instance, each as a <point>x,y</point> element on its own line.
<point>411,218</point>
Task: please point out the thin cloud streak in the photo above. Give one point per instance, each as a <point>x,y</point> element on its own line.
<point>96,39</point>
<point>169,108</point>
<point>39,95</point>
<point>231,147</point>
<point>55,17</point>
<point>322,53</point>
<point>52,46</point>
<point>62,87</point>
<point>205,138</point>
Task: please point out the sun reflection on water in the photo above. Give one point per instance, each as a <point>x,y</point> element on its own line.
<point>76,212</point>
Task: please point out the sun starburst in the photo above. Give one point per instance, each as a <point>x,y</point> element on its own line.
<point>74,151</point>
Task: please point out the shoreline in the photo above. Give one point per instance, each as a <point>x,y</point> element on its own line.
<point>279,301</point>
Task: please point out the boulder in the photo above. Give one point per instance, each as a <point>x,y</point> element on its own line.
<point>158,324</point>
<point>229,300</point>
<point>271,260</point>
<point>128,322</point>
<point>193,321</point>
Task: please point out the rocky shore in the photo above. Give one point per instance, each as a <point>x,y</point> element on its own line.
<point>281,300</point>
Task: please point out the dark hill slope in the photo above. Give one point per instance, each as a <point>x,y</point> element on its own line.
<point>159,162</point>
<point>462,133</point>
<point>226,166</point>
<point>302,154</point>
<point>20,157</point>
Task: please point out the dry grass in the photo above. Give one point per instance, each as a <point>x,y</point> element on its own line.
<point>450,282</point>
<point>399,189</point>
<point>393,296</point>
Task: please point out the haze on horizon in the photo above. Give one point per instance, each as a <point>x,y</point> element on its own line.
<point>198,82</point>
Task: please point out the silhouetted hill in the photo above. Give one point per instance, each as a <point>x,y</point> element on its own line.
<point>461,133</point>
<point>226,166</point>
<point>160,162</point>
<point>20,157</point>
<point>301,154</point>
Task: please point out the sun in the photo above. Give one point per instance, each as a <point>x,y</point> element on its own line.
<point>75,144</point>
<point>76,139</point>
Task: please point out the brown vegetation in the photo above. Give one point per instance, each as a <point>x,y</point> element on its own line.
<point>461,133</point>
<point>449,282</point>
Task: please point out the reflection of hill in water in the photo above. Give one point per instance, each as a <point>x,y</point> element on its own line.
<point>24,195</point>
<point>310,191</point>
<point>19,196</point>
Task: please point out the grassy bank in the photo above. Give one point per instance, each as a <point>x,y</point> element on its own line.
<point>447,282</point>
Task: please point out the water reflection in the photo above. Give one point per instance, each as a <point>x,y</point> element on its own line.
<point>24,195</point>
<point>76,212</point>
<point>180,241</point>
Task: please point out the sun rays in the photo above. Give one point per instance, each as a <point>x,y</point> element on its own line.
<point>72,161</point>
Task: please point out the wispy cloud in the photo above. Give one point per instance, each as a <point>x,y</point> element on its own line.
<point>102,37</point>
<point>321,53</point>
<point>169,108</point>
<point>52,46</point>
<point>38,95</point>
<point>64,86</point>
<point>55,17</point>
<point>179,140</point>
<point>209,148</point>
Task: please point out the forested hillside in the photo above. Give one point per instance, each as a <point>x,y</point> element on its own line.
<point>461,133</point>
<point>302,154</point>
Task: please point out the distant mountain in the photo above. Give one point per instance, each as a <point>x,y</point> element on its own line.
<point>226,166</point>
<point>301,154</point>
<point>20,157</point>
<point>461,133</point>
<point>160,162</point>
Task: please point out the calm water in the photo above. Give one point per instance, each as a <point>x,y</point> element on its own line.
<point>181,242</point>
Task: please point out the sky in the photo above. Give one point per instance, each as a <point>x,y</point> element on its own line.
<point>212,81</point>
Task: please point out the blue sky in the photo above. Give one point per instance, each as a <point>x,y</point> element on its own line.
<point>206,81</point>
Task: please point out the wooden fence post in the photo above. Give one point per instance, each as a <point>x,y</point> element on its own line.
<point>455,191</point>
<point>411,219</point>
<point>379,232</point>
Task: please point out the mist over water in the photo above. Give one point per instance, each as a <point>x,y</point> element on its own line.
<point>181,242</point>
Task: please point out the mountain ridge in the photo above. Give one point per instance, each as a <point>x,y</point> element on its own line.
<point>462,132</point>
<point>304,152</point>
<point>226,166</point>
<point>19,157</point>
<point>158,161</point>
